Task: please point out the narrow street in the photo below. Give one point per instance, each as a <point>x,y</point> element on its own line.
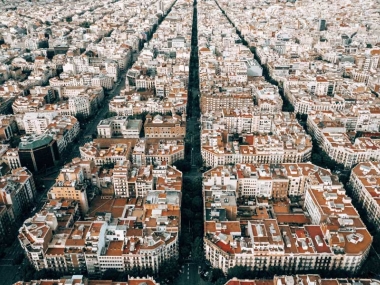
<point>190,275</point>
<point>192,190</point>
<point>193,109</point>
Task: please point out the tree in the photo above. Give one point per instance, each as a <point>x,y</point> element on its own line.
<point>238,271</point>
<point>358,134</point>
<point>197,203</point>
<point>182,165</point>
<point>221,281</point>
<point>43,44</point>
<point>17,260</point>
<point>188,214</point>
<point>111,274</point>
<point>69,19</point>
<point>216,274</point>
<point>198,227</point>
<point>85,25</point>
<point>169,269</point>
<point>185,250</point>
<point>46,273</point>
<point>27,271</point>
<point>110,165</point>
<point>110,115</point>
<point>197,250</point>
<point>134,271</point>
<point>82,118</point>
<point>14,142</point>
<point>316,158</point>
<point>146,271</point>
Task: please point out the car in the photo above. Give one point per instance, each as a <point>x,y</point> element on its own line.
<point>207,273</point>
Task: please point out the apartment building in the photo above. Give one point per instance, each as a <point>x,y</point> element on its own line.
<point>8,127</point>
<point>39,96</point>
<point>131,102</point>
<point>64,129</point>
<point>364,184</point>
<point>119,127</point>
<point>238,136</point>
<point>167,177</point>
<point>165,126</point>
<point>140,181</point>
<point>85,79</point>
<point>218,148</point>
<point>87,167</point>
<point>57,215</point>
<point>330,130</point>
<point>7,223</point>
<point>18,191</point>
<point>212,102</point>
<point>154,151</point>
<point>116,154</point>
<point>37,123</point>
<point>70,184</point>
<point>111,238</point>
<point>82,280</point>
<point>302,279</point>
<point>239,121</point>
<point>243,227</point>
<point>11,158</point>
<point>80,101</point>
<point>120,181</point>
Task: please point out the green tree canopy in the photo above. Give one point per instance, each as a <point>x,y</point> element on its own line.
<point>169,269</point>
<point>197,251</point>
<point>85,24</point>
<point>215,275</point>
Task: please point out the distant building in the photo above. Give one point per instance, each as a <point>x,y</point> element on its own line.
<point>150,151</point>
<point>38,152</point>
<point>81,280</point>
<point>7,223</point>
<point>119,127</point>
<point>17,190</point>
<point>303,279</point>
<point>365,181</point>
<point>165,126</point>
<point>70,185</point>
<point>250,222</point>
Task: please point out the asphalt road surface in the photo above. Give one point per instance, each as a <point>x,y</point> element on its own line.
<point>190,276</point>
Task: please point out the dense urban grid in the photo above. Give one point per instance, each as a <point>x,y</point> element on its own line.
<point>148,142</point>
